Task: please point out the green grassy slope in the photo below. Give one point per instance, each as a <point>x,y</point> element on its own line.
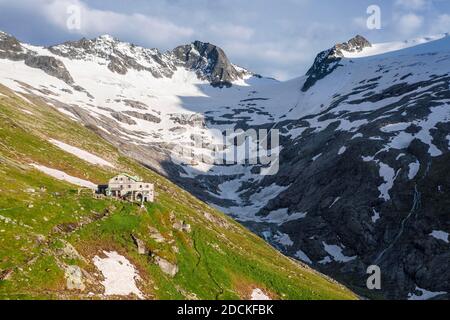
<point>217,259</point>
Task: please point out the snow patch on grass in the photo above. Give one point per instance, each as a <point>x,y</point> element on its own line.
<point>259,295</point>
<point>120,275</point>
<point>60,175</point>
<point>82,154</point>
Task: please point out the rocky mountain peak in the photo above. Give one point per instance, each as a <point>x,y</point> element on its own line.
<point>356,44</point>
<point>11,48</point>
<point>209,61</point>
<point>120,57</point>
<point>327,61</point>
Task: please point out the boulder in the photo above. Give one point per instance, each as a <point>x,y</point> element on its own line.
<point>182,226</point>
<point>74,278</point>
<point>166,267</point>
<point>142,249</point>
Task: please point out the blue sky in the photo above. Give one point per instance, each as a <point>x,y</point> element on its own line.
<point>277,38</point>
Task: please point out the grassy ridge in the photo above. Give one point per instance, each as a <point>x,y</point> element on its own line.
<point>217,259</point>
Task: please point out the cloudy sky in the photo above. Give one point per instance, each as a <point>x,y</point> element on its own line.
<point>278,38</point>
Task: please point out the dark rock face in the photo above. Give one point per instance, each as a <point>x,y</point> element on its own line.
<point>116,65</point>
<point>327,61</point>
<point>356,44</point>
<point>340,195</point>
<point>143,116</point>
<point>51,66</point>
<point>335,176</point>
<point>188,120</point>
<point>123,118</point>
<point>10,48</point>
<point>209,61</point>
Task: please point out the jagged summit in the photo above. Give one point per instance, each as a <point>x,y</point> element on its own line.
<point>356,44</point>
<point>209,61</point>
<point>120,57</point>
<point>327,61</point>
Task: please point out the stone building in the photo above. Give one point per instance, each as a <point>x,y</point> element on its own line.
<point>130,188</point>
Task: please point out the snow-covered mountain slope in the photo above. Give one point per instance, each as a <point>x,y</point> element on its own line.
<point>364,142</point>
<point>382,48</point>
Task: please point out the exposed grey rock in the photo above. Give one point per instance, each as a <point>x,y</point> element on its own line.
<point>119,61</point>
<point>74,278</point>
<point>356,44</point>
<point>116,65</point>
<point>143,116</point>
<point>142,248</point>
<point>327,61</point>
<point>209,61</point>
<point>51,66</point>
<point>182,226</point>
<point>69,252</point>
<point>135,104</point>
<point>166,267</point>
<point>196,120</point>
<point>11,48</point>
<point>119,116</point>
<point>155,235</point>
<point>178,130</point>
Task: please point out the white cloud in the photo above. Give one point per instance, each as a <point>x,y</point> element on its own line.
<point>412,4</point>
<point>360,22</point>
<point>268,37</point>
<point>409,23</point>
<point>146,28</point>
<point>231,31</point>
<point>441,25</point>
